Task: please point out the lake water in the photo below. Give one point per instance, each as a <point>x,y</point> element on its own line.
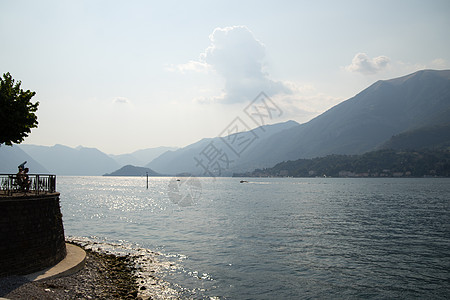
<point>275,238</point>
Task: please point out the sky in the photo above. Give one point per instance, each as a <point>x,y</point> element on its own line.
<point>121,76</point>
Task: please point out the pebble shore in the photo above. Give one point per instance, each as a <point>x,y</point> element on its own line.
<point>104,276</point>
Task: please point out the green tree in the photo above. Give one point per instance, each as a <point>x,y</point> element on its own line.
<point>17,113</point>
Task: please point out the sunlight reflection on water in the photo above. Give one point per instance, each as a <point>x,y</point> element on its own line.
<point>270,238</point>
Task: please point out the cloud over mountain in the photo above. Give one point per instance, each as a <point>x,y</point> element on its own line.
<point>362,63</point>
<point>237,56</point>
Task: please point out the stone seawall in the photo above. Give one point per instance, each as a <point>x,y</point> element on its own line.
<point>31,233</point>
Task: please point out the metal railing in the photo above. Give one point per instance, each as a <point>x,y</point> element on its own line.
<point>36,184</point>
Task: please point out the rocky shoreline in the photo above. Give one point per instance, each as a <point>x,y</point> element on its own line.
<point>104,276</point>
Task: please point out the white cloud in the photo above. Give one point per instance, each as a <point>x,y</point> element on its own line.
<point>121,100</point>
<point>237,56</point>
<point>234,49</point>
<point>191,66</point>
<point>400,68</point>
<point>362,63</point>
<point>305,103</point>
<point>439,63</point>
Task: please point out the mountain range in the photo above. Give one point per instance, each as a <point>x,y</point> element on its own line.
<point>63,160</point>
<point>387,109</point>
<point>140,157</point>
<point>194,158</point>
<point>409,112</point>
<point>366,121</point>
<point>12,157</point>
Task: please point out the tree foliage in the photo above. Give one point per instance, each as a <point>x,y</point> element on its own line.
<point>17,112</point>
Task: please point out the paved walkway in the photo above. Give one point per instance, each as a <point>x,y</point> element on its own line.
<point>72,263</point>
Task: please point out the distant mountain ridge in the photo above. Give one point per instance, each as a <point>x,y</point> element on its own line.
<point>63,160</point>
<point>140,157</point>
<point>12,157</point>
<point>184,160</point>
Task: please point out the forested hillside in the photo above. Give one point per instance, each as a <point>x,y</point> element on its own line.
<point>383,163</point>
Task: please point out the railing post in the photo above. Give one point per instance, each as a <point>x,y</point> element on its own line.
<point>36,184</point>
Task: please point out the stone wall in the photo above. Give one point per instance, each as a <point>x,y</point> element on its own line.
<point>31,233</point>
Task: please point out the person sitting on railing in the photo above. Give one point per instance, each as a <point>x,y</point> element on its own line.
<point>26,180</point>
<point>19,177</point>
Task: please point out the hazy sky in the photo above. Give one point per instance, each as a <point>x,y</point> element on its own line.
<point>126,75</point>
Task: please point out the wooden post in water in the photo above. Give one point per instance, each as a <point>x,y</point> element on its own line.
<point>147,180</point>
